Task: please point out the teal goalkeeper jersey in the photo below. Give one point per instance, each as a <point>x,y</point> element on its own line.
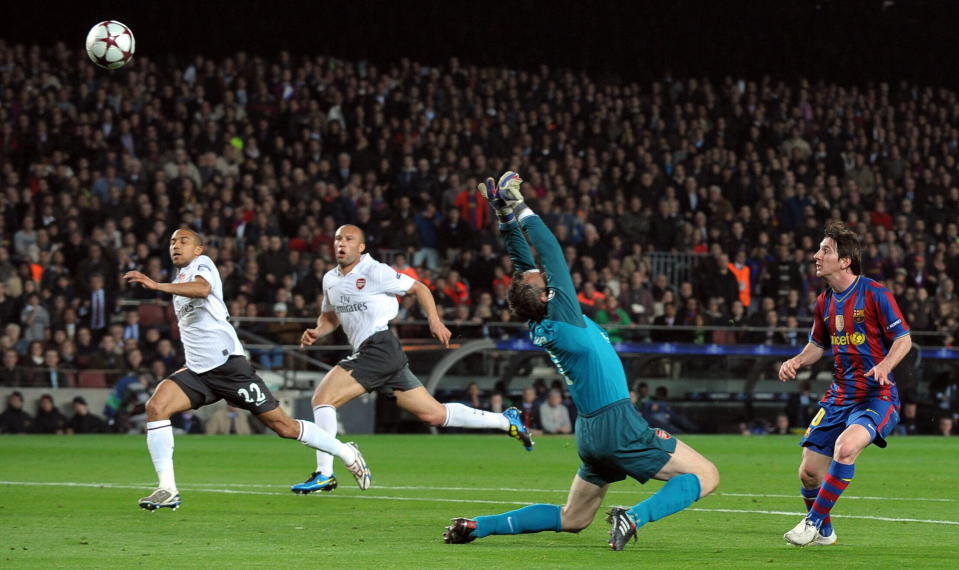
<point>578,347</point>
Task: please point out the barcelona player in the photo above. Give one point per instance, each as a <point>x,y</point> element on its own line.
<point>860,321</point>
<point>613,439</point>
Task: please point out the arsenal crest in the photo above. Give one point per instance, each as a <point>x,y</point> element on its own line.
<point>360,283</point>
<point>840,322</point>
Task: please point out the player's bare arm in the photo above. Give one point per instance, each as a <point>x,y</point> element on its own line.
<point>810,354</point>
<point>899,349</point>
<point>425,299</point>
<point>325,324</point>
<point>199,288</point>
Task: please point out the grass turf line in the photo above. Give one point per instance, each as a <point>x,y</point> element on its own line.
<point>262,523</point>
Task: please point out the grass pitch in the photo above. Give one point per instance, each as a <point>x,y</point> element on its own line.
<point>70,502</point>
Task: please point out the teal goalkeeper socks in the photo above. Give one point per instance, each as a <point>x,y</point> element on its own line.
<point>677,494</point>
<point>534,518</point>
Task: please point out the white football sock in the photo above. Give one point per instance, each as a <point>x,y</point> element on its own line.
<point>458,415</point>
<point>160,444</point>
<point>319,439</point>
<point>325,418</point>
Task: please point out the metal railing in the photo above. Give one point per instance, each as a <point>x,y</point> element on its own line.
<point>677,267</point>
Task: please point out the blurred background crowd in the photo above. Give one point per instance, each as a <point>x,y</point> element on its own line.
<point>266,157</point>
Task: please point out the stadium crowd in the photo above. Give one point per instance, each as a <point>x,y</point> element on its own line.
<point>267,156</point>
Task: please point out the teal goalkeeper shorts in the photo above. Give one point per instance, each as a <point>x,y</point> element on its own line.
<point>615,441</point>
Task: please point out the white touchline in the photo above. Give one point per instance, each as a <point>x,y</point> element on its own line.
<point>566,491</point>
<point>367,496</point>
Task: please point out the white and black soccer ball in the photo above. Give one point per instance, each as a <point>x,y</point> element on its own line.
<point>110,44</point>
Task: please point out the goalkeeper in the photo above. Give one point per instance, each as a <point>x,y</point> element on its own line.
<point>613,439</point>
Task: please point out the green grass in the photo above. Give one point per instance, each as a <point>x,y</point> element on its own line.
<point>420,482</point>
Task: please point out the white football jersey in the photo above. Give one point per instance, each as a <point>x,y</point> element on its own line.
<point>364,299</point>
<point>205,329</point>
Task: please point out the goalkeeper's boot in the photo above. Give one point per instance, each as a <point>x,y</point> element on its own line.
<point>623,528</point>
<point>160,499</point>
<point>316,482</point>
<point>516,428</point>
<point>359,469</point>
<point>803,533</point>
<point>460,532</point>
<point>822,540</point>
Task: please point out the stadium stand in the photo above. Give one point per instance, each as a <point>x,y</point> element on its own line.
<point>687,203</point>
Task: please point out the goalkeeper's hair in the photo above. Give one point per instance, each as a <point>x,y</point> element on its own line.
<point>524,299</point>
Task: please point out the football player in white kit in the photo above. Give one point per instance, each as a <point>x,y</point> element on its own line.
<point>215,369</point>
<point>360,294</point>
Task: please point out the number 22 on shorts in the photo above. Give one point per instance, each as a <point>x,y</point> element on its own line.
<point>243,393</point>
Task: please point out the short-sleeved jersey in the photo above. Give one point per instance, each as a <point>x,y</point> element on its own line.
<point>364,299</point>
<point>859,324</point>
<point>578,347</point>
<point>205,329</point>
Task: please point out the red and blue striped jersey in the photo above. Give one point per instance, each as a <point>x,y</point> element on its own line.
<point>860,324</point>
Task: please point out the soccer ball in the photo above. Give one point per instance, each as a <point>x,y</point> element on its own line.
<point>110,44</point>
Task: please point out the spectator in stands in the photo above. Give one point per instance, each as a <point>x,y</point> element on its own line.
<point>737,318</point>
<point>187,423</point>
<point>659,414</point>
<point>946,425</point>
<point>614,319</point>
<point>35,319</point>
<point>83,421</point>
<point>51,375</point>
<point>167,354</point>
<point>497,403</point>
<point>554,415</point>
<point>401,266</point>
<point>456,290</point>
<point>125,409</point>
<point>945,392</point>
<point>530,406</point>
<point>49,420</point>
<point>637,298</point>
<point>98,307</point>
<point>86,348</point>
<point>14,340</point>
<point>14,419</point>
<point>131,326</point>
<point>227,420</point>
<point>589,297</point>
<point>740,272</point>
<point>427,226</point>
<point>268,358</point>
<point>7,305</point>
<point>781,425</point>
<point>109,358</point>
<point>722,283</point>
<point>455,237</point>
<point>668,319</point>
<point>11,373</point>
<point>473,397</point>
<point>792,336</point>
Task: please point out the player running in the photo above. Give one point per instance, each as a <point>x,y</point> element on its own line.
<point>215,369</point>
<point>862,323</point>
<point>360,294</point>
<point>613,438</point>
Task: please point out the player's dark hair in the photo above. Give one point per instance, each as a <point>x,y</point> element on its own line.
<point>524,299</point>
<point>847,244</point>
<point>196,235</point>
